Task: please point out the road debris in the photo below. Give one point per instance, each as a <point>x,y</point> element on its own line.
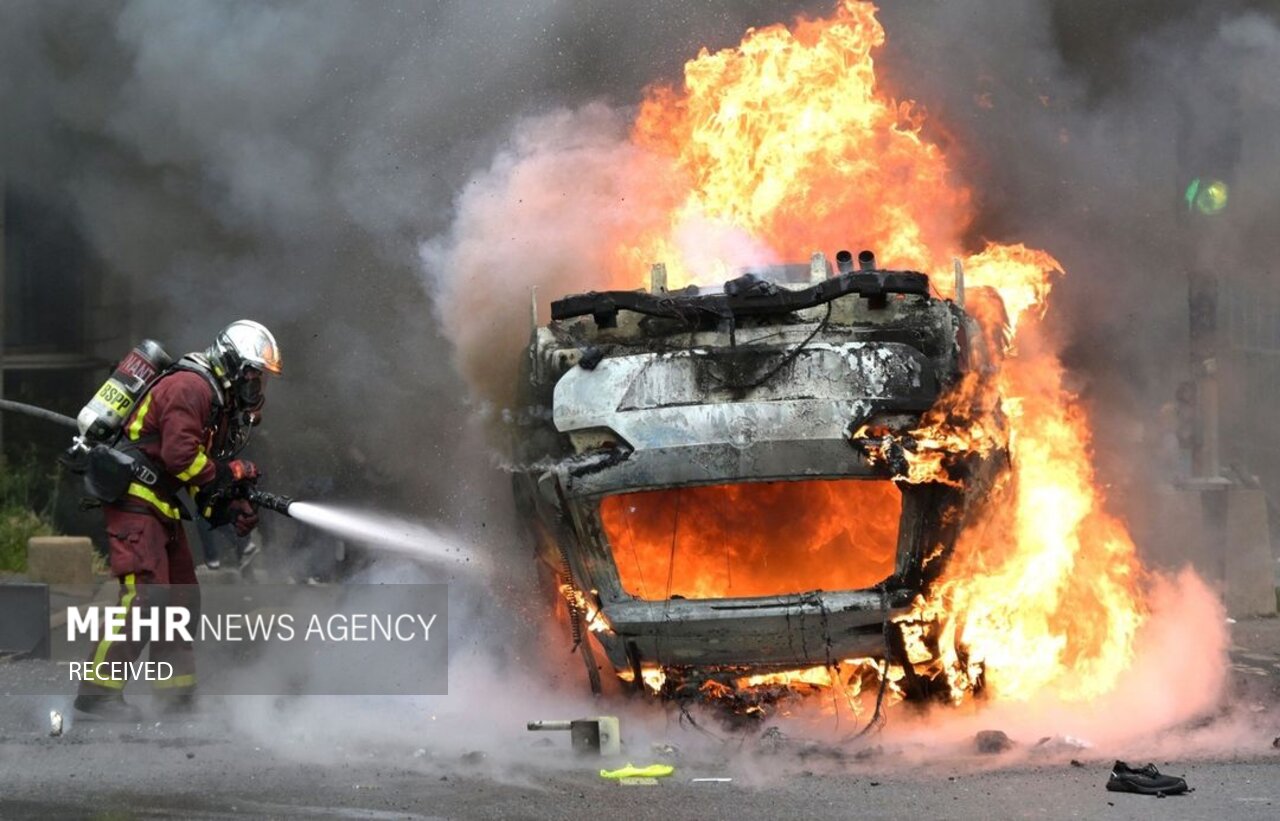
<point>1060,743</point>
<point>55,723</point>
<point>668,751</point>
<point>597,736</point>
<point>773,740</point>
<point>990,742</point>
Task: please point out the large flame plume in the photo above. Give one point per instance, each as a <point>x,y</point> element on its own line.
<point>786,144</point>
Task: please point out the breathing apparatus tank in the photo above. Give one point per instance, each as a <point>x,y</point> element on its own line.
<point>102,418</point>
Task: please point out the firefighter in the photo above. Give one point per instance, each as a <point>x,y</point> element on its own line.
<point>187,428</point>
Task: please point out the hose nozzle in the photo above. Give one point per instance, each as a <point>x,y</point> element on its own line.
<point>271,501</point>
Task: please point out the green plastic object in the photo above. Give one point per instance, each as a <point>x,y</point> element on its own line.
<point>632,771</point>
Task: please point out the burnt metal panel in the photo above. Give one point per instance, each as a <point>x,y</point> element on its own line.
<point>745,296</point>
<point>689,398</point>
<point>716,463</point>
<point>803,629</point>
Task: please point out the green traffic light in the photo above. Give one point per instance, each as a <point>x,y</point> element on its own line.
<point>1208,197</point>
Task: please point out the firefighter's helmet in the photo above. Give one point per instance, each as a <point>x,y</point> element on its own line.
<point>245,343</point>
<point>242,355</point>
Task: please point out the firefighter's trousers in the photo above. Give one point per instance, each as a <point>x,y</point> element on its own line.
<point>150,557</point>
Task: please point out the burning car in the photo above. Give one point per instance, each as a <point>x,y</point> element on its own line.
<point>727,485</point>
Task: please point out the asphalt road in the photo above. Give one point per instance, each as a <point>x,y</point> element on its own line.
<point>260,759</point>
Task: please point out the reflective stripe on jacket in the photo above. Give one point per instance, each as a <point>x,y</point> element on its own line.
<point>173,427</point>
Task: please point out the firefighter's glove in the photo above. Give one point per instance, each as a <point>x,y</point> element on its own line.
<point>230,478</point>
<point>237,470</point>
<point>244,516</point>
<point>214,505</point>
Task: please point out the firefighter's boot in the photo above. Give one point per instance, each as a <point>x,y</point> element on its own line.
<point>111,707</point>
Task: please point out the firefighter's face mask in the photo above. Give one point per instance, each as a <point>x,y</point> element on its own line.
<point>250,394</point>
<point>245,399</point>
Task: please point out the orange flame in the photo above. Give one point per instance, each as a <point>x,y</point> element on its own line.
<point>1046,593</point>
<point>785,144</point>
<point>592,616</point>
<point>754,539</point>
<point>788,146</point>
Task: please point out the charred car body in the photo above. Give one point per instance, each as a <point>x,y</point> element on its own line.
<point>718,480</point>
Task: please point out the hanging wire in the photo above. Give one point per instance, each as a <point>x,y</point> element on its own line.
<point>786,360</point>
<point>877,719</point>
<point>671,566</point>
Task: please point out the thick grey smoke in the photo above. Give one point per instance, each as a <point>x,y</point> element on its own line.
<point>1080,132</point>
<point>567,189</point>
<point>283,160</point>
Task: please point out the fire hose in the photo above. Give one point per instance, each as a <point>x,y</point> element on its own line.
<point>271,501</point>
<point>39,413</point>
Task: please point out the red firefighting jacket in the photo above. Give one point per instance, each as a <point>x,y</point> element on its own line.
<point>174,426</point>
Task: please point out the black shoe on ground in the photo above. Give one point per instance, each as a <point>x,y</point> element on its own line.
<point>1144,781</point>
<point>107,708</point>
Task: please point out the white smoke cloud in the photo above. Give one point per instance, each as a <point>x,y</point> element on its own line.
<point>566,189</point>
